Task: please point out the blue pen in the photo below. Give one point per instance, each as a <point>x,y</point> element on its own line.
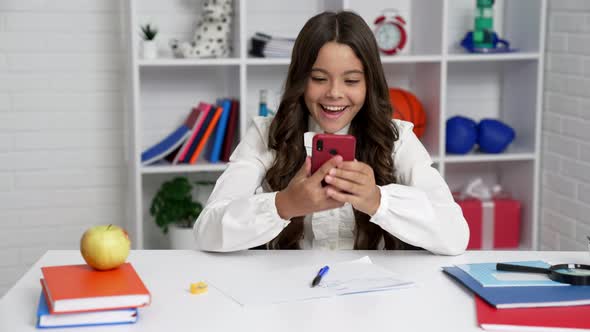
<point>319,276</point>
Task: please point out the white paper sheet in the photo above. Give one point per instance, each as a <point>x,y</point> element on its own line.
<point>294,284</point>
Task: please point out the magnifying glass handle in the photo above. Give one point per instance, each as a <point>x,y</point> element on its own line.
<point>520,268</point>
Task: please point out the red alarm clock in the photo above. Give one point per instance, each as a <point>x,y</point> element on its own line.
<point>390,32</point>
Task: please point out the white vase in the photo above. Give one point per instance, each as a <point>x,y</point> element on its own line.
<point>149,49</point>
<point>181,238</point>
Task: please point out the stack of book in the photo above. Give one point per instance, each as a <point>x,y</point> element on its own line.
<point>523,301</point>
<point>267,46</point>
<point>208,133</point>
<point>78,295</point>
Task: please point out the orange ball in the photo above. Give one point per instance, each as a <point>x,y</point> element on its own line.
<point>408,108</point>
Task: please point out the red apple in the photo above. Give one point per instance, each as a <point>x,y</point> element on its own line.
<point>105,247</point>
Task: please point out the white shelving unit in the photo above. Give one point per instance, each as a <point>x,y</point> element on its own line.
<point>447,80</point>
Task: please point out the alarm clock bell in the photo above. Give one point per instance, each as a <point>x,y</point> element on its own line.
<point>390,32</point>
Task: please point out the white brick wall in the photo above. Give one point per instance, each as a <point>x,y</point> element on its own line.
<point>565,202</point>
<point>61,126</point>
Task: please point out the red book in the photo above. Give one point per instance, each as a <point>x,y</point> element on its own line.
<point>206,135</point>
<point>203,110</point>
<point>230,134</point>
<point>533,319</point>
<point>190,123</point>
<point>77,288</point>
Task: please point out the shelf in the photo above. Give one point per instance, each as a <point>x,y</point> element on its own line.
<point>268,61</point>
<point>411,58</point>
<point>447,80</point>
<point>174,62</point>
<point>384,59</point>
<point>164,169</point>
<point>487,157</point>
<point>468,57</point>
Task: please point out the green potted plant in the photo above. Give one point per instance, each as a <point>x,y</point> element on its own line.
<point>175,211</point>
<point>149,47</point>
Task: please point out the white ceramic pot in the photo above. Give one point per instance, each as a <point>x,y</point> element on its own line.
<point>181,238</point>
<point>149,49</point>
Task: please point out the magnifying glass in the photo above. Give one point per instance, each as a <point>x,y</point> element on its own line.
<point>573,274</point>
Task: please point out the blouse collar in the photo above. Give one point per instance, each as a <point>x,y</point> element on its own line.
<point>313,126</point>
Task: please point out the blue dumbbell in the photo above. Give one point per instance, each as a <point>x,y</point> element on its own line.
<point>494,136</point>
<point>461,134</point>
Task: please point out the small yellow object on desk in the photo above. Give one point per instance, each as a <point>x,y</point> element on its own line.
<point>198,287</point>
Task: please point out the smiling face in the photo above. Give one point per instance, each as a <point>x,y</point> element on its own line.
<point>335,90</point>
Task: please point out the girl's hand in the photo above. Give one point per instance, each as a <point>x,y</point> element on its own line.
<point>305,194</point>
<point>354,182</point>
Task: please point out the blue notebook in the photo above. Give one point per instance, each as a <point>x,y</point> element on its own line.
<point>87,318</point>
<point>220,131</point>
<point>166,145</point>
<point>487,275</point>
<point>523,297</point>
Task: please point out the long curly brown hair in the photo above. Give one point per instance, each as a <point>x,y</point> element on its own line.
<point>372,126</point>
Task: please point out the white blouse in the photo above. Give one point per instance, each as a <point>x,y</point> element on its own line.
<point>419,209</point>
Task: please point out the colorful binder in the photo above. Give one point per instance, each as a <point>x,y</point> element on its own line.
<point>199,134</point>
<point>206,135</point>
<point>230,135</point>
<point>203,112</point>
<point>220,132</point>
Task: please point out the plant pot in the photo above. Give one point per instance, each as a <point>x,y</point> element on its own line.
<point>149,49</point>
<point>181,237</point>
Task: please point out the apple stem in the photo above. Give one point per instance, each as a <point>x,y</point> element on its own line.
<point>109,226</point>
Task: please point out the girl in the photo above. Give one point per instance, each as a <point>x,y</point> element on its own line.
<point>389,197</point>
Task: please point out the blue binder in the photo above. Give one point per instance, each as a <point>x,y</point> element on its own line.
<point>220,132</point>
<point>523,296</point>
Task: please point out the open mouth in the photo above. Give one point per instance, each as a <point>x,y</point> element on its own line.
<point>333,109</point>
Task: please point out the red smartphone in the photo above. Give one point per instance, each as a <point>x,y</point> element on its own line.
<point>326,146</point>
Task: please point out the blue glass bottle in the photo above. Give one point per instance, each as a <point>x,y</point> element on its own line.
<point>262,108</point>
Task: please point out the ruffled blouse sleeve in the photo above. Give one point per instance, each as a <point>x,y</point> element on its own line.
<point>239,213</point>
<point>419,209</point>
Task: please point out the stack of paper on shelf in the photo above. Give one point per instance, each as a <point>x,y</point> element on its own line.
<point>77,295</point>
<point>265,45</point>
<point>523,301</point>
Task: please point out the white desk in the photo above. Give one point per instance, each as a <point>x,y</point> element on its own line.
<point>436,303</point>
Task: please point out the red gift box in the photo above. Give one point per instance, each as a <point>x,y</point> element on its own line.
<point>493,223</point>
